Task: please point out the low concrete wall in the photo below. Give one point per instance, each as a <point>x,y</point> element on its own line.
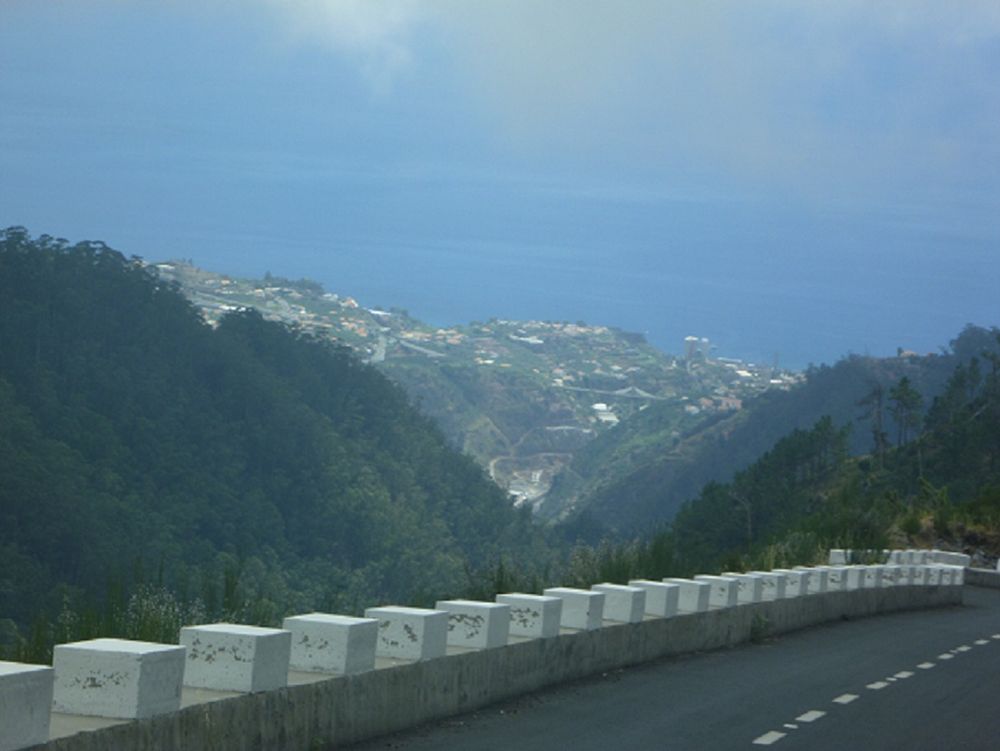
<point>982,577</point>
<point>351,708</point>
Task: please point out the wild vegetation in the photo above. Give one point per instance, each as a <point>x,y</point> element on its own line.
<point>936,484</point>
<point>881,397</point>
<point>246,468</point>
<point>156,470</point>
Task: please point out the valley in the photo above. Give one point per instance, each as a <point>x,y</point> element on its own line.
<point>521,397</point>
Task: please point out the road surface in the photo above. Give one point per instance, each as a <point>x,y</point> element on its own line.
<point>914,681</point>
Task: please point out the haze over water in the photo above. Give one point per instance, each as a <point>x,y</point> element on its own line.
<point>782,178</point>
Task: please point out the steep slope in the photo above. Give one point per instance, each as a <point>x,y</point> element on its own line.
<point>673,470</point>
<point>132,433</point>
<point>518,396</point>
<point>941,488</point>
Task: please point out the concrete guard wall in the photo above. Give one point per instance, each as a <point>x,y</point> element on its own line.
<point>351,708</point>
<point>982,577</point>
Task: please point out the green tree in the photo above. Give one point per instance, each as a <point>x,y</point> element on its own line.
<point>905,407</point>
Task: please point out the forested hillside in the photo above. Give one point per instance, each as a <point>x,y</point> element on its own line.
<point>669,472</point>
<point>938,486</point>
<point>246,462</point>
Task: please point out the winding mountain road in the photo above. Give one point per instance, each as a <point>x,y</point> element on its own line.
<point>916,680</point>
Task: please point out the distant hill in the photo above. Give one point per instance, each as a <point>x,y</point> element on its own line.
<point>937,485</point>
<point>637,475</point>
<point>940,487</point>
<point>518,396</point>
<point>134,437</point>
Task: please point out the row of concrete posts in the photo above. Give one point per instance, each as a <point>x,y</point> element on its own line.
<point>123,679</point>
<point>839,557</point>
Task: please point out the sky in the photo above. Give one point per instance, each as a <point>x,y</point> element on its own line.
<point>789,178</point>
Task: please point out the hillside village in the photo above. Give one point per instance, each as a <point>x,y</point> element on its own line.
<point>520,396</point>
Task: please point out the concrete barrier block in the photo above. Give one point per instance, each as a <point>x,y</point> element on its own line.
<point>945,574</point>
<point>233,657</point>
<point>838,557</point>
<point>325,643</point>
<point>891,575</point>
<point>117,678</point>
<point>477,625</point>
<point>410,633</point>
<point>902,575</point>
<point>796,582</point>
<point>749,587</point>
<point>873,576</point>
<point>835,578</point>
<point>661,598</point>
<point>950,558</point>
<point>887,575</point>
<point>957,574</point>
<point>724,592</point>
<point>918,575</point>
<point>854,577</point>
<point>624,604</point>
<point>818,579</point>
<point>932,574</point>
<point>533,616</point>
<point>25,704</point>
<point>581,608</point>
<point>693,596</point>
<point>774,584</point>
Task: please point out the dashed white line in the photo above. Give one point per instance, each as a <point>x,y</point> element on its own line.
<point>877,685</point>
<point>891,679</point>
<point>995,636</point>
<point>925,665</point>
<point>811,716</point>
<point>904,674</point>
<point>945,656</point>
<point>963,648</point>
<point>772,736</point>
<point>845,698</point>
<point>790,726</point>
<point>981,642</point>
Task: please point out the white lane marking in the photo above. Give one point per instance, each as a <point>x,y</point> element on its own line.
<point>790,726</point>
<point>945,656</point>
<point>925,665</point>
<point>845,698</point>
<point>995,636</point>
<point>963,648</point>
<point>772,736</point>
<point>811,716</point>
<point>877,685</point>
<point>904,674</point>
<point>981,642</point>
<point>891,679</point>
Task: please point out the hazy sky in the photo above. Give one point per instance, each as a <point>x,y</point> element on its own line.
<point>785,176</point>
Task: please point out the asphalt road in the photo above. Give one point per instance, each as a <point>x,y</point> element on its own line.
<point>913,681</point>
